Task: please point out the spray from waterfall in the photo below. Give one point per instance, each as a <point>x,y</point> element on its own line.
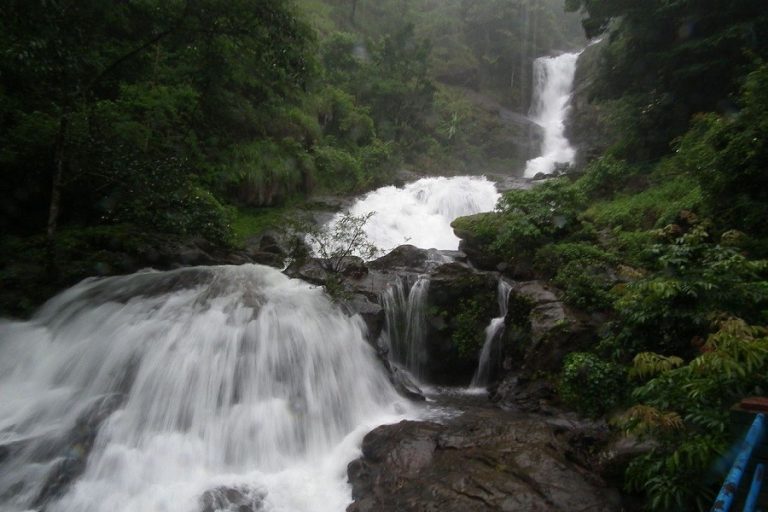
<point>492,333</point>
<point>405,327</point>
<point>161,390</point>
<point>553,84</point>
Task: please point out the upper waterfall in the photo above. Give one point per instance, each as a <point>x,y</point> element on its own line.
<point>553,85</point>
<point>172,384</point>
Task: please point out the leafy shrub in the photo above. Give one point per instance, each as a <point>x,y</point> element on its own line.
<point>685,409</point>
<point>655,206</point>
<point>532,217</point>
<point>728,157</point>
<point>591,384</point>
<point>160,196</point>
<point>581,270</point>
<point>606,175</point>
<point>695,279</point>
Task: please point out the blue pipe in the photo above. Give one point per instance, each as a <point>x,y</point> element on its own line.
<point>727,492</point>
<point>754,490</point>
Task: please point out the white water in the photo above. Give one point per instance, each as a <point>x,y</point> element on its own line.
<point>219,376</point>
<point>405,326</point>
<point>421,212</point>
<point>492,333</point>
<point>553,84</point>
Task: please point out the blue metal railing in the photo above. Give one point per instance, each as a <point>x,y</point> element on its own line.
<point>727,492</point>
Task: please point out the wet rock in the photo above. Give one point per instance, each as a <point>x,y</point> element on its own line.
<point>371,313</point>
<point>555,329</point>
<point>461,302</point>
<point>586,127</point>
<point>473,242</point>
<point>403,257</point>
<point>232,499</point>
<point>482,461</point>
<point>270,259</point>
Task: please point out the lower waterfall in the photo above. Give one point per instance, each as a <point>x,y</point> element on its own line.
<point>492,332</point>
<point>205,389</point>
<point>405,327</point>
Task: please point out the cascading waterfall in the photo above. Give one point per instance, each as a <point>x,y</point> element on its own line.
<point>171,384</point>
<point>420,213</point>
<point>492,332</point>
<point>405,326</point>
<point>553,84</point>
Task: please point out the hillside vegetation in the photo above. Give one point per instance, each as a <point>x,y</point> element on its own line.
<point>663,235</point>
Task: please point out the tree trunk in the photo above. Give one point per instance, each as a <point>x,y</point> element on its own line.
<point>354,9</point>
<point>54,206</point>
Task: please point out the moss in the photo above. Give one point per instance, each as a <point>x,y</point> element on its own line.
<point>469,325</point>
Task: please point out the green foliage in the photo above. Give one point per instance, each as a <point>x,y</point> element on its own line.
<point>648,364</point>
<point>532,217</point>
<point>695,279</point>
<point>659,52</point>
<point>733,363</point>
<point>582,270</point>
<point>605,176</point>
<point>469,326</point>
<point>729,156</point>
<point>590,384</point>
<point>656,206</point>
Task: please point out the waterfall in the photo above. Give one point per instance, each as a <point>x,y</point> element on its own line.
<point>420,213</point>
<point>492,332</point>
<point>197,389</point>
<point>405,326</point>
<point>553,84</point>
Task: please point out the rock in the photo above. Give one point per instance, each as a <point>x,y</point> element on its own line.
<point>461,302</point>
<point>482,461</point>
<point>232,499</point>
<point>311,270</point>
<point>614,458</point>
<point>270,259</point>
<point>586,127</point>
<point>474,242</point>
<point>555,329</point>
<point>405,385</point>
<point>371,313</point>
<point>403,257</point>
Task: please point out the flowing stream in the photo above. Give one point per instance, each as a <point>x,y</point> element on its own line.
<point>553,85</point>
<point>207,388</point>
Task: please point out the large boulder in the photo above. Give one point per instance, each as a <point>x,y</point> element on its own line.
<point>482,461</point>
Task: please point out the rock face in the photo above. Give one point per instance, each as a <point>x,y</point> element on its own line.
<point>555,329</point>
<point>483,461</point>
<point>585,127</point>
<point>461,302</point>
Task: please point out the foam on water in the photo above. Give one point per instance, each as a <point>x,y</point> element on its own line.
<point>420,213</point>
<point>171,384</point>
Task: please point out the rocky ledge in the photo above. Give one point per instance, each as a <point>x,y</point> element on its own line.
<point>484,460</point>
